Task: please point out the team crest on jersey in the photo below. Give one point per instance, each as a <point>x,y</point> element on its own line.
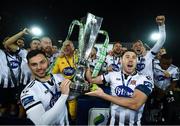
<point>69,71</point>
<point>115,67</point>
<point>133,82</point>
<point>123,91</point>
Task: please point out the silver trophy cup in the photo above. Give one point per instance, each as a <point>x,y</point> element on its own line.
<point>89,27</point>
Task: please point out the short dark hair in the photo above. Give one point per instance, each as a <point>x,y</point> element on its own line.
<point>116,42</point>
<point>128,50</point>
<point>166,56</point>
<point>33,53</point>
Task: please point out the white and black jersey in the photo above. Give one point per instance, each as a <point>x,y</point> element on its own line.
<point>160,80</point>
<point>145,63</point>
<point>14,70</point>
<point>114,61</point>
<point>53,57</point>
<point>124,86</point>
<point>44,103</point>
<point>92,62</point>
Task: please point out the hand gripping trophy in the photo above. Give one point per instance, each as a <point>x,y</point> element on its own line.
<point>89,28</point>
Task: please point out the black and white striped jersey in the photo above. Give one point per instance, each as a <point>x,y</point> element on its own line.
<point>124,87</point>
<point>160,80</point>
<point>145,63</point>
<point>20,70</point>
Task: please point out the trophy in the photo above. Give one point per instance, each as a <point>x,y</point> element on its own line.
<point>89,28</point>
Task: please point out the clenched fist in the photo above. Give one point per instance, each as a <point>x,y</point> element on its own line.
<point>160,19</point>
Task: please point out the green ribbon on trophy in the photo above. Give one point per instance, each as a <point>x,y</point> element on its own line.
<point>102,56</point>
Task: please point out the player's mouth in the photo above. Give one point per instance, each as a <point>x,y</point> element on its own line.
<point>129,65</point>
<point>138,50</point>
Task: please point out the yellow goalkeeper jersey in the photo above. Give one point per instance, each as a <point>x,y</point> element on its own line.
<point>65,65</point>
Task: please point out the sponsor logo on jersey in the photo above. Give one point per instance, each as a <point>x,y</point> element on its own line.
<point>14,64</point>
<point>27,100</point>
<point>123,91</point>
<point>140,66</point>
<point>69,71</point>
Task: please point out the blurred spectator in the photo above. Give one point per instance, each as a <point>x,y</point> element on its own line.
<point>166,77</point>
<point>93,57</point>
<point>66,65</point>
<point>35,43</point>
<point>20,42</point>
<point>54,49</point>
<point>46,44</point>
<point>113,58</point>
<point>14,75</point>
<point>145,59</point>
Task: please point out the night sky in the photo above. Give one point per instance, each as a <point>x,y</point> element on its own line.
<point>124,20</point>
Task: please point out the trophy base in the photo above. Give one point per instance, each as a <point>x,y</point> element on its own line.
<point>78,88</point>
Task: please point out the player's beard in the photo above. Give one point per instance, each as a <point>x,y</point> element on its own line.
<point>40,75</point>
<point>117,54</point>
<point>48,50</point>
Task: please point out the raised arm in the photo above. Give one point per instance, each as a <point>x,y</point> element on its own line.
<point>160,20</point>
<point>14,38</point>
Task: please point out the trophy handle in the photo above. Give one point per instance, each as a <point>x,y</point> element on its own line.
<point>103,51</point>
<point>71,27</point>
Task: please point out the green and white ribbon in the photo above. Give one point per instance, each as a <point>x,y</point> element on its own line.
<point>103,51</point>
